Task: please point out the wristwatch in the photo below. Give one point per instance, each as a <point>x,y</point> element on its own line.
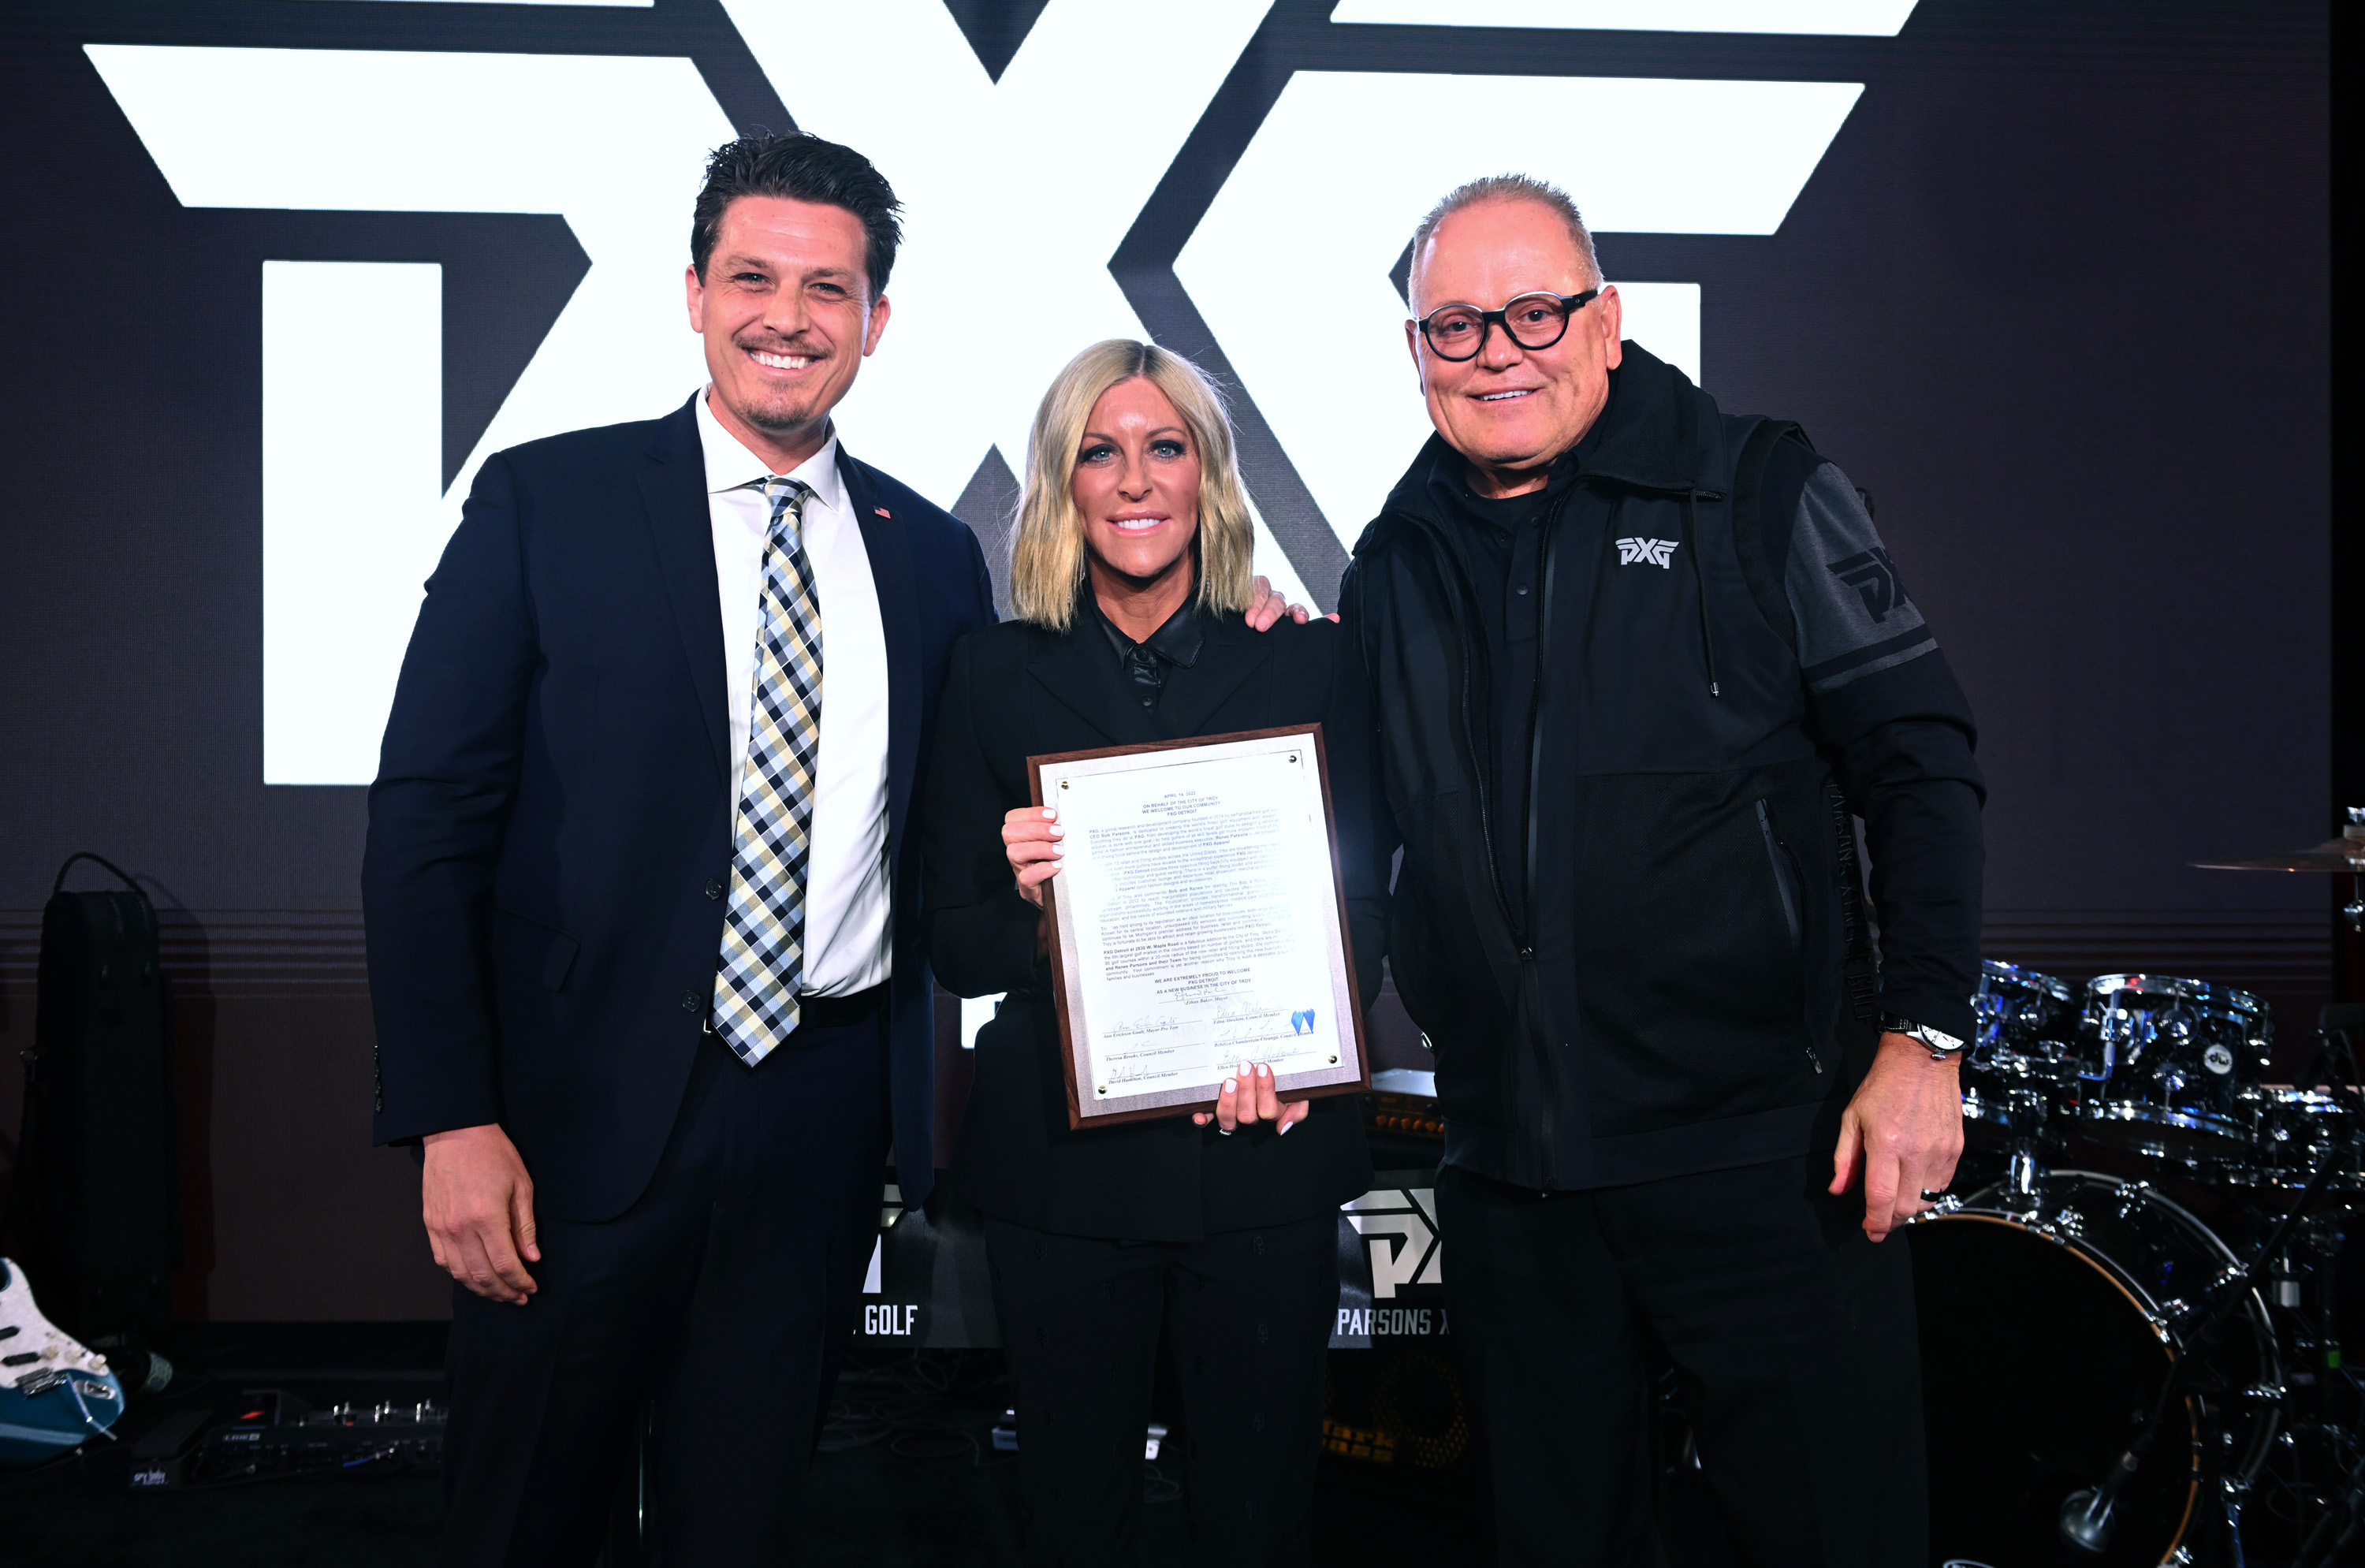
<point>1942,1046</point>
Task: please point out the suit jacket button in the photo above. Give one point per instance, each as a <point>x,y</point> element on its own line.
<point>689,1002</point>
<point>715,890</point>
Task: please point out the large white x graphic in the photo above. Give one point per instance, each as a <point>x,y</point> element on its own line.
<point>1018,191</point>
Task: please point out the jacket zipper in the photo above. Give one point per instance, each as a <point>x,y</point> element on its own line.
<point>1787,890</point>
<point>1549,1120</point>
<point>1862,974</point>
<point>1536,696</point>
<point>1700,584</point>
<point>1782,889</point>
<point>1478,767</point>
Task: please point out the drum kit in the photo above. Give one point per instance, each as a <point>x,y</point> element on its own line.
<point>2111,1376</point>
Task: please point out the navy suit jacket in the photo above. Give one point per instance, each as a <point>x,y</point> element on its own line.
<point>550,832</point>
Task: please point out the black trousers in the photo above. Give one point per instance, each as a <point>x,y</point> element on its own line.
<point>1249,1313</point>
<point>725,1297</point>
<point>1798,1331</point>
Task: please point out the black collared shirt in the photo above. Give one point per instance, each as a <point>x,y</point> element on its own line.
<point>1504,541</point>
<point>1176,643</point>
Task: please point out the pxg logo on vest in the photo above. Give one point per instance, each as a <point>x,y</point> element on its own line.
<point>1649,552</point>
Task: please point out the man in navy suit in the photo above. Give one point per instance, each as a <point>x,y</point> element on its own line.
<point>642,933</point>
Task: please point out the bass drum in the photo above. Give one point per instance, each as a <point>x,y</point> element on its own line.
<point>2045,1330</point>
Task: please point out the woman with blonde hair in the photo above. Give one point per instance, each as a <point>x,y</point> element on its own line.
<point>1129,572</point>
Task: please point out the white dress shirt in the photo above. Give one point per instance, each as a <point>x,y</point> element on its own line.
<point>848,909</point>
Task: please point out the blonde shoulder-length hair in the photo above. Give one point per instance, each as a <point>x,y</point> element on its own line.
<point>1047,555</point>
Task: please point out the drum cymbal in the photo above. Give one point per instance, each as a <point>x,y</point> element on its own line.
<point>2332,855</point>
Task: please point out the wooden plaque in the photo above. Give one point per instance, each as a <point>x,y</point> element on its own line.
<point>1199,921</point>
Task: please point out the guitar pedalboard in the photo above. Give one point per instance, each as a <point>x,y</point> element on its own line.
<point>271,1432</point>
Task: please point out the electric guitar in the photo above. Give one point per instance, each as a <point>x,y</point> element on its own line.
<point>54,1394</point>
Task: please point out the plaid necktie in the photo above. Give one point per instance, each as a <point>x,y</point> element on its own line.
<point>763,928</point>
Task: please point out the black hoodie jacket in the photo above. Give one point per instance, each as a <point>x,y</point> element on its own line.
<point>1721,681</point>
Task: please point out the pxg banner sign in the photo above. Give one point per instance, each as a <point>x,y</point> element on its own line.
<point>1016,214</point>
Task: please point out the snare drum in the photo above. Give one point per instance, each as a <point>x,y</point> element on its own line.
<point>2018,1071</point>
<point>2178,1066</point>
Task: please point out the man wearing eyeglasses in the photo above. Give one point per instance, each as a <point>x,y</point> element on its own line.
<point>1637,665</point>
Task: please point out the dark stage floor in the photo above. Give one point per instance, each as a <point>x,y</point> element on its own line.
<point>908,1474</point>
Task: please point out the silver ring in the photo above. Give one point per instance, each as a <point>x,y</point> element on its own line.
<point>1930,1197</point>
<point>1225,1130</point>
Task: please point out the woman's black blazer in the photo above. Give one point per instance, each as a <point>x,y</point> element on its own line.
<point>1016,690</point>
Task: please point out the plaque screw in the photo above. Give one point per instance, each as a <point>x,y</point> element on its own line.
<point>1063,783</point>
<point>1334,1061</point>
<point>1102,1089</point>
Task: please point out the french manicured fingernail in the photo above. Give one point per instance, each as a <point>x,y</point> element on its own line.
<point>1285,1127</point>
<point>1051,813</point>
<point>1229,1086</point>
<point>1058,832</point>
<point>1059,849</point>
<point>1263,1072</point>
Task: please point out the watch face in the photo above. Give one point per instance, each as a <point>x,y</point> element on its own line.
<point>1891,1023</point>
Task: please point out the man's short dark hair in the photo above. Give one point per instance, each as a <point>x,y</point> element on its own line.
<point>802,168</point>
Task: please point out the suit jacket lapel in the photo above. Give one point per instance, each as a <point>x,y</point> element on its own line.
<point>1227,658</point>
<point>1081,670</point>
<point>674,487</point>
<point>899,614</point>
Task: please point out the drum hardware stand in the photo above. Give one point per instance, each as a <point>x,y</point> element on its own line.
<point>2022,1175</point>
<point>2344,1510</point>
<point>2323,1545</point>
<point>2086,1514</point>
<point>2131,1198</point>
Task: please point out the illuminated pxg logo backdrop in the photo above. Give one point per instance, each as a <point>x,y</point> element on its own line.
<point>1047,193</point>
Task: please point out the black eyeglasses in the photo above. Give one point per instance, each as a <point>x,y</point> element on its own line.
<point>1533,320</point>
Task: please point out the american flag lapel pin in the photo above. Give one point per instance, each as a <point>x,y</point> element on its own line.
<point>882,511</point>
